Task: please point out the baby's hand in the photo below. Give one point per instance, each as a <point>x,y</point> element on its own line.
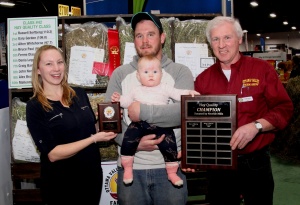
<point>115,97</point>
<point>193,93</point>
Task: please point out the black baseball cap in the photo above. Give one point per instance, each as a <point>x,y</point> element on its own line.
<point>145,16</point>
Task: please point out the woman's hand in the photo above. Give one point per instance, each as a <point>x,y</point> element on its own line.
<point>103,136</point>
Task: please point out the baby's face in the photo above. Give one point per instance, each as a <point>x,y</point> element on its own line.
<point>149,73</point>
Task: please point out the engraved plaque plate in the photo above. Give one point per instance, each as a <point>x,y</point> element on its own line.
<point>207,125</point>
<point>109,116</point>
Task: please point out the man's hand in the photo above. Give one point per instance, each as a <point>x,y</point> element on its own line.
<point>134,111</point>
<point>179,155</point>
<point>188,170</point>
<point>243,135</point>
<point>149,143</point>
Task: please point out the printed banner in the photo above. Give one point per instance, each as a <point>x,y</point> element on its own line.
<point>109,188</point>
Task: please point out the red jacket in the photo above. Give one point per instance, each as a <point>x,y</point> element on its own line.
<point>256,78</point>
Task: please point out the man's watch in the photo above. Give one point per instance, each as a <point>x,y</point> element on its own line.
<point>258,126</point>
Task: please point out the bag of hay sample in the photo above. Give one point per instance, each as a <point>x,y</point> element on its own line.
<point>89,37</point>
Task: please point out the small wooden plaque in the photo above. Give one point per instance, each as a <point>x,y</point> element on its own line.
<point>207,125</point>
<point>109,116</point>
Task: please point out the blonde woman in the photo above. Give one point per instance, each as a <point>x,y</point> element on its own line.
<point>62,124</point>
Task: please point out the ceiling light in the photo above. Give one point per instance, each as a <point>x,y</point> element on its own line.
<point>258,34</point>
<point>285,23</point>
<point>267,37</point>
<point>5,3</point>
<point>294,27</point>
<point>245,31</point>
<point>273,15</point>
<point>253,3</point>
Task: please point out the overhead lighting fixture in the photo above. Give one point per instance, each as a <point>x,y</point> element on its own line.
<point>245,31</point>
<point>253,3</point>
<point>258,34</point>
<point>5,3</point>
<point>285,23</point>
<point>272,15</point>
<point>294,27</point>
<point>267,37</point>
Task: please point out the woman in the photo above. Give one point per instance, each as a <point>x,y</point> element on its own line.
<point>62,124</point>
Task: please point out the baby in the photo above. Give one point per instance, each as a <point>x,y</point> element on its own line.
<point>151,92</point>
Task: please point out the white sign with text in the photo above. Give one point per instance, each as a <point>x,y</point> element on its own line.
<point>25,36</point>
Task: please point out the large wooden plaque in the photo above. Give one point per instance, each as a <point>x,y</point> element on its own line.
<point>109,117</point>
<point>207,125</point>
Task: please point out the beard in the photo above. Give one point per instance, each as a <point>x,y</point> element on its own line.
<point>151,50</point>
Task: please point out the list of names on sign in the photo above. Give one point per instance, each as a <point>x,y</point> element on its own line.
<point>25,36</point>
<point>207,143</point>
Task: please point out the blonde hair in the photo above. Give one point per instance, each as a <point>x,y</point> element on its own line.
<point>37,82</point>
<point>148,59</point>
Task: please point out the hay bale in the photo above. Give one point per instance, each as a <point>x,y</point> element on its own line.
<point>191,31</point>
<point>18,112</point>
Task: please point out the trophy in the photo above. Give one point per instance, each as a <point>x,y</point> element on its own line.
<point>109,117</point>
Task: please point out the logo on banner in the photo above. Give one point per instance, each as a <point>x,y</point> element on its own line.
<point>110,184</point>
<point>114,50</point>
